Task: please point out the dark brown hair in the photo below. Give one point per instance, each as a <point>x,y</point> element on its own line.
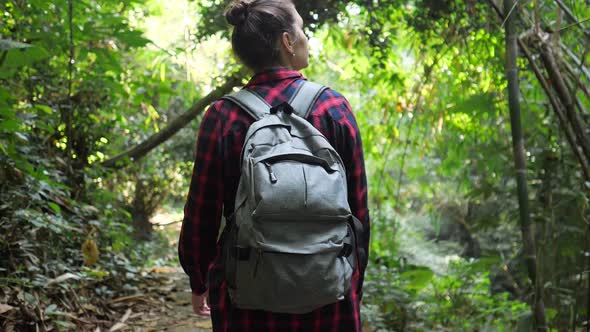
<point>258,25</point>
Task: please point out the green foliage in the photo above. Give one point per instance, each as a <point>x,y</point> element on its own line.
<point>426,81</point>
<point>412,298</point>
<point>461,301</point>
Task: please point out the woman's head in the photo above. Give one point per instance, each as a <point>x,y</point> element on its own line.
<point>268,33</point>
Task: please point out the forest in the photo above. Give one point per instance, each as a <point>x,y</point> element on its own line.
<point>474,117</point>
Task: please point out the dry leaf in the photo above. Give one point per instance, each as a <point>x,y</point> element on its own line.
<point>90,209</point>
<point>90,252</point>
<point>163,269</point>
<point>204,324</point>
<point>137,314</point>
<point>5,308</point>
<point>126,316</point>
<point>62,278</point>
<point>129,298</point>
<point>117,327</point>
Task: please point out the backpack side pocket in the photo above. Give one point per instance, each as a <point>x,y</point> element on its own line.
<point>230,256</point>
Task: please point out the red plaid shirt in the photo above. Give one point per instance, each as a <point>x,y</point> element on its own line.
<point>213,189</point>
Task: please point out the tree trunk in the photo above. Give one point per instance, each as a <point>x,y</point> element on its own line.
<point>520,164</point>
<point>143,148</point>
<point>141,213</point>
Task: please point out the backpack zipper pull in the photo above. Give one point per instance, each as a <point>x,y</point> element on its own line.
<point>258,258</point>
<point>273,178</point>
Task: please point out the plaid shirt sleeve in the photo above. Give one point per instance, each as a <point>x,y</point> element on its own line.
<point>203,208</point>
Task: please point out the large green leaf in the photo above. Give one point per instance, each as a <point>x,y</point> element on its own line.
<point>21,57</point>
<point>417,278</point>
<point>133,38</point>
<point>478,103</point>
<point>7,44</point>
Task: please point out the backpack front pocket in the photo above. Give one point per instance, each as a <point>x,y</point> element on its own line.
<point>291,283</point>
<point>297,184</point>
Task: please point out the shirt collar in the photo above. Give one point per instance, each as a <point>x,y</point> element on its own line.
<point>274,74</point>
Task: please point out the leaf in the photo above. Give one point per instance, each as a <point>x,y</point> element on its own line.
<point>204,324</point>
<point>475,104</point>
<point>133,38</point>
<point>5,308</point>
<point>62,278</point>
<point>17,58</point>
<point>117,327</point>
<point>44,108</point>
<point>7,44</point>
<point>21,136</point>
<point>126,316</point>
<point>550,313</point>
<point>97,274</point>
<point>54,207</point>
<point>90,252</point>
<point>9,125</point>
<point>418,278</point>
<point>484,264</point>
<point>52,308</point>
<point>163,72</point>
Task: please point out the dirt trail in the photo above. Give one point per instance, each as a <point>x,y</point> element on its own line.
<point>171,309</point>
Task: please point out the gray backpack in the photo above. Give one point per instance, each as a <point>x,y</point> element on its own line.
<point>291,246</point>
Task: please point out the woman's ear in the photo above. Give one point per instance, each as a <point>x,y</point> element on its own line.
<point>286,43</point>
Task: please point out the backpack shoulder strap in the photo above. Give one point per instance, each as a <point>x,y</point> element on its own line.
<point>305,97</point>
<point>250,102</point>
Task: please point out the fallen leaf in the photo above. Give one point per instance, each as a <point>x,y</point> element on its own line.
<point>90,252</point>
<point>128,298</point>
<point>137,314</point>
<point>117,327</point>
<point>163,269</point>
<point>90,307</point>
<point>180,298</point>
<point>5,308</point>
<point>204,324</point>
<point>126,316</point>
<point>62,278</point>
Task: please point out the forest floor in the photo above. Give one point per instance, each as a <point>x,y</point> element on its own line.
<point>168,308</point>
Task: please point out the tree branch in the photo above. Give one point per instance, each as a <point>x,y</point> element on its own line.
<point>557,107</point>
<point>577,61</point>
<point>575,78</point>
<point>143,148</point>
<point>572,17</point>
<point>569,133</point>
<point>566,97</point>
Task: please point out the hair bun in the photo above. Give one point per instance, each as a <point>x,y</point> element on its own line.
<point>237,13</point>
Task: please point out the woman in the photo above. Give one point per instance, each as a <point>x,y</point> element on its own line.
<point>268,37</point>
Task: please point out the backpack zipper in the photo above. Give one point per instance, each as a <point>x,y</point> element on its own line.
<point>305,182</point>
<point>272,177</point>
<point>258,258</point>
<point>260,252</point>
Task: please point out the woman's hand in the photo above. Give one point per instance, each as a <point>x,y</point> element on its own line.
<point>200,306</point>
